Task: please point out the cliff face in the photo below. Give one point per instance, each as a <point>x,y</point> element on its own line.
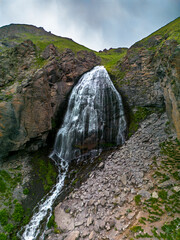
<point>37,75</point>
<point>149,76</point>
<point>33,88</point>
<point>169,75</point>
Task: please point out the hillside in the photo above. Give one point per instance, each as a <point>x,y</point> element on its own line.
<point>36,67</point>
<point>148,75</point>
<point>153,42</point>
<point>38,71</point>
<point>14,34</point>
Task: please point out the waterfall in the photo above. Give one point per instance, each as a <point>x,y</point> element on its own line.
<point>43,210</point>
<point>94,118</point>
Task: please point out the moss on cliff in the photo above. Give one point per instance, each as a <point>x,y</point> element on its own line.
<point>45,170</point>
<point>23,182</point>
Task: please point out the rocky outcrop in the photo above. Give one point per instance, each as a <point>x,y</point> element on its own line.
<point>169,74</point>
<point>148,76</point>
<point>33,88</point>
<point>138,82</point>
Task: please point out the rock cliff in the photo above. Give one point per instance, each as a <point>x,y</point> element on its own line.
<point>148,75</point>
<point>34,87</point>
<point>37,75</point>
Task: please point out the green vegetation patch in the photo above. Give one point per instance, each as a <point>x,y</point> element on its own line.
<point>4,217</point>
<point>170,231</point>
<point>136,229</point>
<point>51,223</point>
<point>110,59</point>
<point>12,214</point>
<point>18,213</point>
<point>138,116</point>
<point>45,170</point>
<point>170,31</point>
<point>167,205</point>
<point>3,186</point>
<point>137,199</point>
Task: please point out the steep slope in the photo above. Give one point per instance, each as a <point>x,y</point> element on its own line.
<point>14,34</point>
<point>148,75</point>
<point>35,79</point>
<point>36,76</point>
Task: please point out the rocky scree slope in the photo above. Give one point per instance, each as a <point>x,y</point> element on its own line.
<point>34,89</point>
<point>131,195</point>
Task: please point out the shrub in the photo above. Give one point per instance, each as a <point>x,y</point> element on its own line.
<point>3,217</point>
<point>9,228</point>
<point>2,186</point>
<point>137,199</point>
<point>51,223</point>
<point>25,191</point>
<point>18,213</point>
<point>163,194</point>
<point>3,236</point>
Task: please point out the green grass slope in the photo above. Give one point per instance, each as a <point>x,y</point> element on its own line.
<point>14,34</point>
<point>109,58</point>
<point>171,31</point>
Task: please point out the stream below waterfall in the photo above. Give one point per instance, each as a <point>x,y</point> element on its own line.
<point>94,121</point>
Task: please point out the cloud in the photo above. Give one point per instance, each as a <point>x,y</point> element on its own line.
<point>97,24</point>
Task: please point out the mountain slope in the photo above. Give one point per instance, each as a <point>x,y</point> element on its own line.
<point>37,72</point>
<point>14,34</point>
<point>170,32</point>
<point>148,75</point>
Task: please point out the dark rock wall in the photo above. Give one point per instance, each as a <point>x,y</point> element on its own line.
<point>31,99</point>
<point>149,76</point>
<point>169,75</point>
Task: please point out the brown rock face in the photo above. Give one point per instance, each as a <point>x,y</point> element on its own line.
<point>150,77</point>
<point>140,84</point>
<point>169,74</point>
<point>30,101</point>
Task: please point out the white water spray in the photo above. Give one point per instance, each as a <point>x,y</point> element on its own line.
<point>94,117</point>
<point>32,230</point>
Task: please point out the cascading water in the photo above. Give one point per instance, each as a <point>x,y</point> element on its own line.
<point>94,118</point>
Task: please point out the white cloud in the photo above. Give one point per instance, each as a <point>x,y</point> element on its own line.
<point>97,24</point>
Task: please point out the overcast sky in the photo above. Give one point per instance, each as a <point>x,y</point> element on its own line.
<point>97,24</point>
